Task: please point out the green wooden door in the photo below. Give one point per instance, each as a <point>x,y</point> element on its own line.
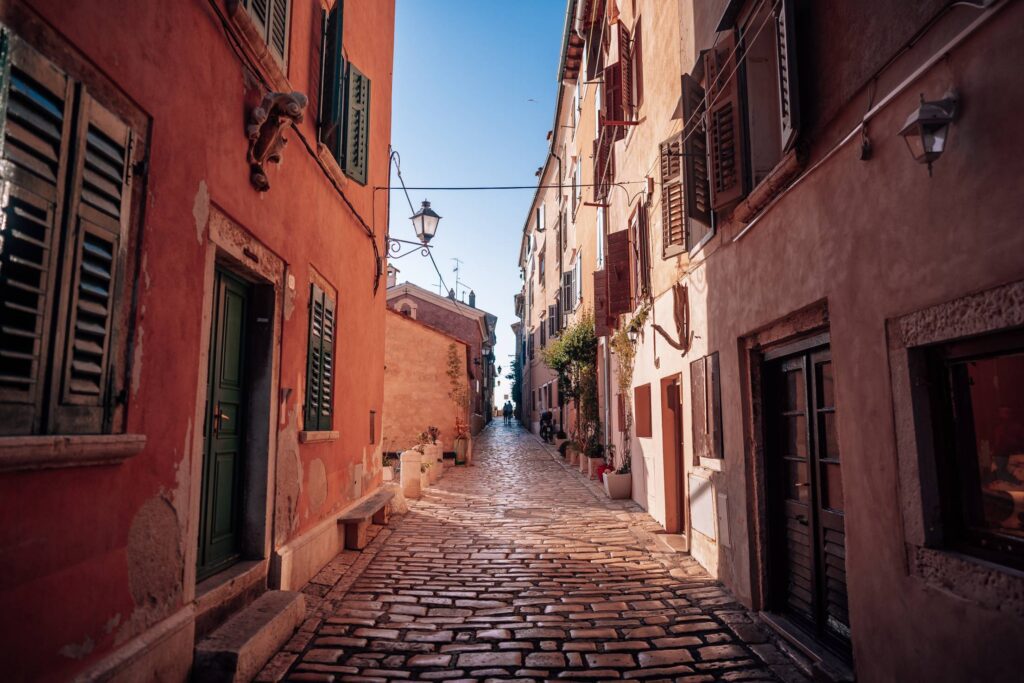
<point>224,455</point>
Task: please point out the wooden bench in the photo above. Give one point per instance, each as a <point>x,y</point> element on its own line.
<point>375,508</point>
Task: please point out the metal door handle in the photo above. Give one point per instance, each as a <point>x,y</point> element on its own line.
<point>219,418</point>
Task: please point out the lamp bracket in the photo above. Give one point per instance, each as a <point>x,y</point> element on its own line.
<point>395,248</point>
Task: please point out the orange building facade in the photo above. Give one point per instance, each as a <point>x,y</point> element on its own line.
<point>184,409</point>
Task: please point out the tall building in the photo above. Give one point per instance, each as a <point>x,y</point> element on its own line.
<point>188,246</point>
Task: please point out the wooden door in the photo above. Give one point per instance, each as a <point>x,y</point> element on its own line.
<point>807,569</point>
<point>672,454</point>
<point>224,454</point>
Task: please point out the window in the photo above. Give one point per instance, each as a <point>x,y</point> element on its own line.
<point>706,407</point>
<point>576,106</point>
<point>641,250</point>
<point>672,219</point>
<point>540,271</point>
<point>636,67</point>
<point>567,293</point>
<point>344,103</point>
<point>540,217</point>
<point>739,155</point>
<point>552,321</point>
<point>67,201</point>
<point>642,403</point>
<point>272,18</point>
<point>530,346</point>
<point>543,332</point>
<point>599,239</point>
<point>577,281</point>
<point>979,417</point>
<point>320,361</point>
<point>575,186</point>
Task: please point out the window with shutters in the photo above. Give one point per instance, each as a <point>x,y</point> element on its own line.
<point>673,221</point>
<point>567,293</point>
<point>636,68</point>
<point>272,19</point>
<point>319,408</point>
<point>552,320</point>
<point>706,407</point>
<point>540,271</point>
<point>577,281</point>
<point>332,84</point>
<point>67,200</point>
<point>356,142</point>
<point>642,407</point>
<point>752,100</point>
<point>543,332</point>
<point>640,253</point>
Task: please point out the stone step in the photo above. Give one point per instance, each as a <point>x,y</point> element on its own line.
<point>244,643</point>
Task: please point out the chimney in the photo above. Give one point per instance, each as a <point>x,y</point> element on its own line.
<point>392,276</point>
<point>472,299</point>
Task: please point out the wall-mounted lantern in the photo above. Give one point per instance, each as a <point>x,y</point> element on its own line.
<point>424,223</point>
<point>927,129</point>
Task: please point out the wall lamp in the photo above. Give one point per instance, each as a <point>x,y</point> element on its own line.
<point>424,223</point>
<point>927,129</point>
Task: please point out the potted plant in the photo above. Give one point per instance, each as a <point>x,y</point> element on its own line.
<point>461,442</point>
<point>390,465</point>
<point>560,438</point>
<point>619,483</point>
<point>595,458</point>
<point>459,395</point>
<point>425,468</point>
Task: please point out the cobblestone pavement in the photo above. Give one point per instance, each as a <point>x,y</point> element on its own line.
<point>519,568</point>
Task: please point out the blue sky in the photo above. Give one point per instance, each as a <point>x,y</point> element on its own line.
<point>474,92</point>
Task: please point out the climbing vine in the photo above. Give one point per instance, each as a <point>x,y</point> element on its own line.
<point>624,349</point>
<point>459,392</point>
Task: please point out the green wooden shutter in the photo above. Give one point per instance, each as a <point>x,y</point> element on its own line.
<point>277,27</point>
<point>327,356</point>
<point>35,104</point>
<point>332,84</point>
<point>314,359</point>
<point>98,211</point>
<point>357,125</point>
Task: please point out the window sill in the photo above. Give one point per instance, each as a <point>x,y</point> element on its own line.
<point>995,587</point>
<point>318,437</point>
<point>773,185</point>
<point>713,464</point>
<point>247,30</point>
<point>331,165</point>
<point>48,452</point>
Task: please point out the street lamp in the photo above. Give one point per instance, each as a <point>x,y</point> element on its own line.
<point>927,129</point>
<point>424,222</point>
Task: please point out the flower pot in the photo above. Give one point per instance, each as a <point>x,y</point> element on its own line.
<point>592,464</point>
<point>430,457</point>
<point>461,450</point>
<point>584,462</point>
<point>411,483</point>
<point>618,486</point>
<point>424,479</point>
<point>388,473</point>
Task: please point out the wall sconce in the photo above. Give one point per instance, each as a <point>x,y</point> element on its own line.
<point>927,129</point>
<point>424,223</point>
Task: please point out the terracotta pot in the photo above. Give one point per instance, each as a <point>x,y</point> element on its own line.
<point>584,462</point>
<point>618,486</point>
<point>411,483</point>
<point>388,473</point>
<point>592,465</point>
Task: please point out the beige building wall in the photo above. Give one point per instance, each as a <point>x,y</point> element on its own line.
<point>416,383</point>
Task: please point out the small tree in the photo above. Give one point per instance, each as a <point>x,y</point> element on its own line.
<point>573,355</point>
<point>458,393</point>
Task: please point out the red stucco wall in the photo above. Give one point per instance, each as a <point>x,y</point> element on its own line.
<point>66,592</point>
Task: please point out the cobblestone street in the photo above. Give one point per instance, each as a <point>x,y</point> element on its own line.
<point>520,568</point>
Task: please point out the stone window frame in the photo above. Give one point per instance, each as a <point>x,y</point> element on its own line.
<point>928,559</point>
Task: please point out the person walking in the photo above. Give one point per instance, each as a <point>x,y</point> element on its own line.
<point>507,411</point>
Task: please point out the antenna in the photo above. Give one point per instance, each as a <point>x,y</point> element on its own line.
<point>458,282</point>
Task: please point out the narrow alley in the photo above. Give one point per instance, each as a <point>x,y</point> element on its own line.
<point>517,567</point>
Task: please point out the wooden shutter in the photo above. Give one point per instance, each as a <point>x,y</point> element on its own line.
<point>601,316</point>
<point>642,403</point>
<point>277,28</point>
<point>714,406</point>
<point>625,69</point>
<point>725,123</point>
<point>695,163</point>
<point>327,353</point>
<point>698,408</point>
<point>357,125</point>
<point>636,60</point>
<point>612,93</point>
<point>642,253</point>
<point>35,108</point>
<point>543,332</point>
<point>604,164</point>
<point>567,301</point>
<point>98,208</point>
<point>552,321</point>
<point>618,268</point>
<point>672,229</point>
<point>332,88</point>
<point>259,11</point>
<point>789,100</point>
<point>314,358</point>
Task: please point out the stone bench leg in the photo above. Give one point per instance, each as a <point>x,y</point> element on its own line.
<point>356,533</point>
<point>381,516</point>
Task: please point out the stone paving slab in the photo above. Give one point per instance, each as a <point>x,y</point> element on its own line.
<point>519,568</point>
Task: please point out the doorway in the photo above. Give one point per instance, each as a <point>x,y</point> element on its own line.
<point>806,530</point>
<point>672,454</point>
<point>224,461</point>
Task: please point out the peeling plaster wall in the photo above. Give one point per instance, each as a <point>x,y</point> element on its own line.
<point>98,554</point>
